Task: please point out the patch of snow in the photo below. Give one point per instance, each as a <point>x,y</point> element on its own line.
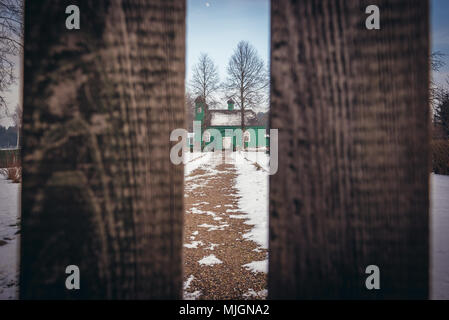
<point>190,295</point>
<point>193,186</point>
<point>214,227</point>
<point>238,216</point>
<point>9,252</point>
<point>200,203</point>
<point>195,233</point>
<point>210,260</point>
<point>252,186</point>
<point>193,245</point>
<point>261,158</point>
<point>212,246</point>
<point>198,211</point>
<point>257,266</point>
<point>195,160</point>
<point>262,294</point>
<point>188,282</point>
<point>439,226</point>
<point>208,166</point>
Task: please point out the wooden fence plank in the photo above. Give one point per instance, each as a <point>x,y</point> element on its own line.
<point>99,190</point>
<point>351,106</point>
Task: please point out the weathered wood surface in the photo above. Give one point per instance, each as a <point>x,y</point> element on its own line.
<point>351,105</point>
<point>99,190</point>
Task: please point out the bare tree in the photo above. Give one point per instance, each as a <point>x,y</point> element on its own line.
<point>441,115</point>
<point>247,78</point>
<point>205,79</point>
<point>437,91</point>
<point>436,60</point>
<point>11,39</point>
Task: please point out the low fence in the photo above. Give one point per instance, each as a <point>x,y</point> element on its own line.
<point>9,158</point>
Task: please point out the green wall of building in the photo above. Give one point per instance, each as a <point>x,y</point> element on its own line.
<point>257,139</point>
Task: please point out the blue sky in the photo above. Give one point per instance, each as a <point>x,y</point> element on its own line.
<point>216,26</point>
<point>440,34</point>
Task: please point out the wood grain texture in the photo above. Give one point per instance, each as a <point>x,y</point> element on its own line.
<point>99,190</point>
<point>351,106</point>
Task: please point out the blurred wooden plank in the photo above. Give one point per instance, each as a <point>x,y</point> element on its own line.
<point>351,106</point>
<point>99,190</point>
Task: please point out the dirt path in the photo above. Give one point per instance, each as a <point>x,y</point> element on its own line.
<point>215,251</point>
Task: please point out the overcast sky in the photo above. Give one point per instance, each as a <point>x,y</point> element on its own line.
<point>440,35</point>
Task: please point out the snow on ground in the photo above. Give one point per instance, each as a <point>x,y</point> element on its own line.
<point>195,160</point>
<point>261,158</point>
<point>9,240</point>
<point>257,266</point>
<point>194,244</point>
<point>237,216</point>
<point>213,227</point>
<point>212,246</point>
<point>204,161</point>
<point>252,186</point>
<point>190,295</point>
<point>262,294</point>
<point>439,224</point>
<point>195,210</point>
<point>210,260</point>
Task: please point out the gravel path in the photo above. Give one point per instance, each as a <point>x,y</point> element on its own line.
<point>215,252</point>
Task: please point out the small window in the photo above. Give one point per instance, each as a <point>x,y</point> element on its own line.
<point>198,110</point>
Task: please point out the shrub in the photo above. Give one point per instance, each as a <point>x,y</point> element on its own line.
<point>9,158</point>
<point>14,174</point>
<point>440,156</point>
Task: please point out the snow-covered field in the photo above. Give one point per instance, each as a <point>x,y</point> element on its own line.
<point>9,240</point>
<point>439,241</point>
<point>194,160</point>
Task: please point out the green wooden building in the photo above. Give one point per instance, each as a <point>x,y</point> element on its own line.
<point>229,123</point>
